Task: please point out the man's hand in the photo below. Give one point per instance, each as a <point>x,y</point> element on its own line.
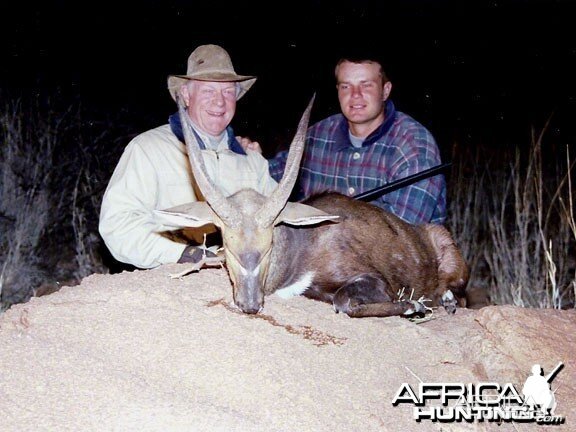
<point>193,254</point>
<point>248,144</point>
<point>199,256</point>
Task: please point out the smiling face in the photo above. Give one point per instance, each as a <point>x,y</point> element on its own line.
<point>361,92</point>
<point>211,105</point>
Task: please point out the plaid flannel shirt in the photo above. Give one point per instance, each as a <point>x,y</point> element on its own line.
<point>398,148</point>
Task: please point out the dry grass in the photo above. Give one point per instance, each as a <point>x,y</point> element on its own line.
<point>513,216</point>
<point>26,164</point>
<point>54,167</point>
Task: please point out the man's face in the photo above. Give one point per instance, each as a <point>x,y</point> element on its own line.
<point>361,93</point>
<point>211,105</point>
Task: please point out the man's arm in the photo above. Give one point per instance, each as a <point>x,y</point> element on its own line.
<point>424,201</point>
<point>127,223</point>
<point>421,202</point>
<point>277,164</point>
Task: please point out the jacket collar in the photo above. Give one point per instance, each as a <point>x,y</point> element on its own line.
<point>343,140</point>
<point>176,127</point>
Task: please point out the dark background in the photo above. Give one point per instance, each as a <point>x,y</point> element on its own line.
<point>473,72</point>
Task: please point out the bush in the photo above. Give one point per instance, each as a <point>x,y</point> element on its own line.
<point>54,168</point>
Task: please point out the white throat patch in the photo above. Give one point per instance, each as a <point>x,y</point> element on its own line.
<point>297,287</point>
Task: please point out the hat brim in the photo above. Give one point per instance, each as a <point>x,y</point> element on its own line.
<point>245,81</point>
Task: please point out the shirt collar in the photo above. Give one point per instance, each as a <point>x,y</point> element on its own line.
<point>343,140</point>
<point>176,127</point>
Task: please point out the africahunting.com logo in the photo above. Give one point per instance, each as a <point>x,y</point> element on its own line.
<point>485,401</point>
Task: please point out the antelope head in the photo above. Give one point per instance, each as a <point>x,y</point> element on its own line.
<point>246,219</point>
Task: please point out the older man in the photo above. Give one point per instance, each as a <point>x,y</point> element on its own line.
<point>154,171</point>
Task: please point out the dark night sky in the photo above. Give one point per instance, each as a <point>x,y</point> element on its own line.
<point>472,71</point>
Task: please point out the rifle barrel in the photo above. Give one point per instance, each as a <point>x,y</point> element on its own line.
<point>372,194</point>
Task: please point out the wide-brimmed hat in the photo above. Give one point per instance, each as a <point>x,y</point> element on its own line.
<point>210,63</point>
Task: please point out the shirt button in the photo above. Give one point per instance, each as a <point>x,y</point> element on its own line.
<point>351,191</point>
<point>356,155</point>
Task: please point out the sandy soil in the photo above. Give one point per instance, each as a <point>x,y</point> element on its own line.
<point>142,352</point>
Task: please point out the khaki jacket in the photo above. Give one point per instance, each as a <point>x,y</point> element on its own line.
<point>154,173</point>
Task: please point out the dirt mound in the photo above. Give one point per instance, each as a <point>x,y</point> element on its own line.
<point>142,352</point>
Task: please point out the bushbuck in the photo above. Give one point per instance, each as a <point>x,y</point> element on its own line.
<point>362,259</point>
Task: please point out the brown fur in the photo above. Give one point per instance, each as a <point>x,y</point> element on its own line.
<point>421,260</point>
<point>453,272</point>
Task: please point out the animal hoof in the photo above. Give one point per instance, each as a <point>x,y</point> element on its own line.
<point>347,307</point>
<point>415,308</point>
<point>449,302</point>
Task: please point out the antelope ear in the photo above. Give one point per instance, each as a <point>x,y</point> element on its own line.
<point>302,214</point>
<point>194,214</point>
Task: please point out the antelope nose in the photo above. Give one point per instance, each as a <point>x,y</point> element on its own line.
<point>249,308</point>
<point>248,295</point>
